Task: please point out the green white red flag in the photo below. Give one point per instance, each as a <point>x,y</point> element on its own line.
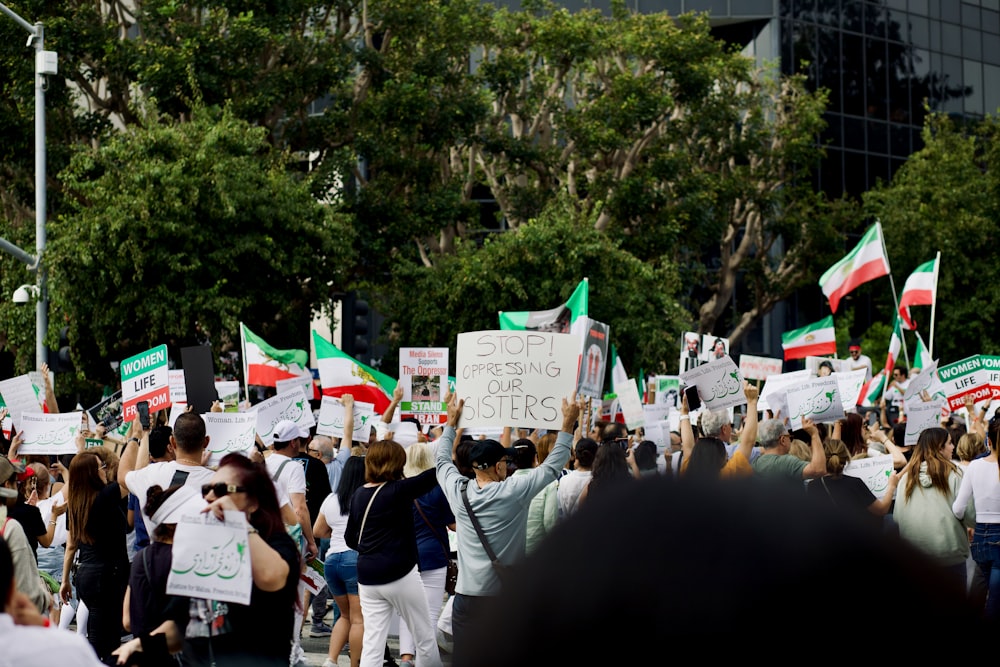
<point>920,289</point>
<point>867,261</point>
<point>895,343</point>
<point>871,391</point>
<point>340,373</point>
<point>922,359</point>
<point>812,340</point>
<point>560,319</point>
<point>264,365</point>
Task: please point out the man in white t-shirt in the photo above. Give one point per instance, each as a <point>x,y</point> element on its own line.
<point>290,477</point>
<point>858,360</point>
<point>189,441</point>
<point>894,393</point>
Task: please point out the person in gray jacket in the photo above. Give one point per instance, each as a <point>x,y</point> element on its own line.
<point>499,503</point>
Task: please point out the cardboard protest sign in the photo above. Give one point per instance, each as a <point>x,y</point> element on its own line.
<point>665,390</point>
<point>19,395</point>
<point>920,416</point>
<point>719,383</point>
<point>772,396</point>
<point>759,368</point>
<point>594,360</point>
<point>817,399</point>
<point>331,419</point>
<point>964,378</point>
<point>874,471</point>
<point>305,382</point>
<point>145,378</point>
<point>850,384</point>
<point>292,406</point>
<point>211,558</point>
<point>690,351</point>
<point>49,433</point>
<point>107,411</point>
<point>515,378</point>
<point>229,432</point>
<point>654,412</point>
<point>423,374</point>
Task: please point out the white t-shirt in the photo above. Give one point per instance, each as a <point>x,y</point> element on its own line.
<point>34,645</point>
<point>45,508</point>
<point>292,478</point>
<point>570,488</point>
<point>162,473</point>
<point>330,509</point>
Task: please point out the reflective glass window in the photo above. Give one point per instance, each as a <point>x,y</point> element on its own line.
<point>918,7</point>
<point>752,7</point>
<point>971,15</point>
<point>951,10</point>
<point>951,70</point>
<point>972,44</point>
<point>852,15</point>
<point>854,133</point>
<point>803,9</point>
<point>991,48</point>
<point>853,76</point>
<point>874,21</point>
<point>972,77</point>
<point>899,139</point>
<point>831,172</point>
<point>878,137</point>
<point>828,12</point>
<point>876,68</point>
<point>991,21</point>
<point>991,89</point>
<point>878,169</point>
<point>920,34</point>
<point>831,136</point>
<point>951,39</point>
<point>855,181</point>
<point>829,62</point>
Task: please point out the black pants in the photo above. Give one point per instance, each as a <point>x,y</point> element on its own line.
<point>102,588</point>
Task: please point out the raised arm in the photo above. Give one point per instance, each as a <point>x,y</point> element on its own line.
<point>382,426</point>
<point>347,400</point>
<point>817,464</point>
<point>748,436</point>
<point>50,395</point>
<point>687,432</point>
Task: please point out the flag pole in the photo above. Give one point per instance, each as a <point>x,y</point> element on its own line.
<point>243,360</point>
<point>895,297</point>
<point>937,267</point>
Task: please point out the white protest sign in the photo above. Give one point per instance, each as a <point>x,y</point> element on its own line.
<point>20,397</point>
<point>850,384</point>
<point>924,380</point>
<point>292,406</point>
<point>285,385</point>
<point>719,383</point>
<point>812,364</point>
<point>145,377</point>
<point>817,399</point>
<point>655,412</point>
<point>920,416</point>
<point>874,471</point>
<point>178,389</point>
<point>229,394</point>
<point>666,390</point>
<point>331,419</point>
<point>631,404</point>
<point>176,410</point>
<point>659,433</point>
<point>774,388</point>
<point>515,378</point>
<point>49,433</point>
<point>759,368</point>
<point>423,374</point>
<point>229,432</point>
<point>964,378</point>
<point>211,558</point>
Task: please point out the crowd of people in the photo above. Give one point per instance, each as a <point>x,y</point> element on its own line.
<point>550,531</point>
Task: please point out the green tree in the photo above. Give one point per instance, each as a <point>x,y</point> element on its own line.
<point>947,198</point>
<point>537,267</point>
<point>178,231</point>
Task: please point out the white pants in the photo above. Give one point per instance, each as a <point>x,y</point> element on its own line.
<point>405,596</point>
<point>433,581</point>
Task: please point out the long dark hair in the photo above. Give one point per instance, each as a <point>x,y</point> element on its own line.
<point>351,477</point>
<point>853,435</point>
<point>929,450</point>
<point>84,486</point>
<point>610,468</point>
<point>254,478</point>
<point>708,456</point>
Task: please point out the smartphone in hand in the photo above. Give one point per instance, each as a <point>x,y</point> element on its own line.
<point>693,399</point>
<point>142,408</point>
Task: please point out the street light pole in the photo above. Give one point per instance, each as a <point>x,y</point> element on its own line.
<point>45,63</point>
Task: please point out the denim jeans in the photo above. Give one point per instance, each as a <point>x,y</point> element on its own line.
<point>986,552</point>
<point>341,572</point>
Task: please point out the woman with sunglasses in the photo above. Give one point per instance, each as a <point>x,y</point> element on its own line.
<point>96,526</point>
<point>223,634</point>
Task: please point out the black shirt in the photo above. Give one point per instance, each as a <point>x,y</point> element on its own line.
<point>148,580</point>
<point>30,519</point>
<point>317,483</point>
<point>106,526</point>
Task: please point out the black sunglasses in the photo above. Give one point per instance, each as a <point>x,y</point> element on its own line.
<point>220,489</point>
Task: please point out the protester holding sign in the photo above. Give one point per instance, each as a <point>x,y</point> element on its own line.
<point>228,634</point>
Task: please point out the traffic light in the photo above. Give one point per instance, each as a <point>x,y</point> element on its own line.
<point>61,359</point>
<point>360,327</point>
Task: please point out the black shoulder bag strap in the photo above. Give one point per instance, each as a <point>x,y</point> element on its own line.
<point>444,545</point>
<point>475,524</point>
